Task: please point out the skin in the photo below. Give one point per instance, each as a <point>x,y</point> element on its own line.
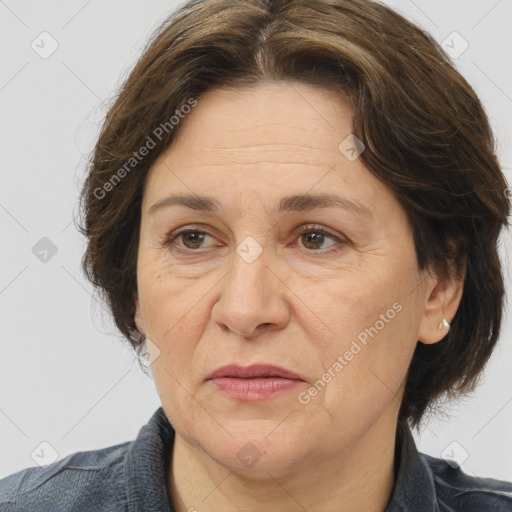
<point>297,305</point>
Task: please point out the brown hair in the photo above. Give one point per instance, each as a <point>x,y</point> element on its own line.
<point>425,131</point>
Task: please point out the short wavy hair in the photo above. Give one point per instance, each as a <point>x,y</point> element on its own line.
<point>426,134</point>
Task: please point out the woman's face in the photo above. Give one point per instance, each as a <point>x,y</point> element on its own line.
<point>270,272</point>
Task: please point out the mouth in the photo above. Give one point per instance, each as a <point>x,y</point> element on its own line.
<point>255,382</point>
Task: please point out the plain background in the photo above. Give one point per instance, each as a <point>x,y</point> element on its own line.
<point>65,376</point>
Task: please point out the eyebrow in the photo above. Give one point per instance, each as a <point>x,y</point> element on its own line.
<point>302,202</point>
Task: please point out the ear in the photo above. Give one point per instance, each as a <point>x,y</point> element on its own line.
<point>139,317</point>
<point>443,297</point>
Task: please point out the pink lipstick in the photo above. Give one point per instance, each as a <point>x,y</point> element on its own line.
<point>255,382</point>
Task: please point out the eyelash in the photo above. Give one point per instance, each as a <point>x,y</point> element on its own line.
<point>170,238</point>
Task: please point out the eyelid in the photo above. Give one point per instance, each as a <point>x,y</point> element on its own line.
<point>317,227</point>
<point>173,234</point>
<point>340,239</point>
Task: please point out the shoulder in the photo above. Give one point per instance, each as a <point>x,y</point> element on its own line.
<point>78,480</point>
<point>457,490</point>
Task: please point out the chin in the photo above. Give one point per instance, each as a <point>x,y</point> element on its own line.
<point>254,441</point>
<point>256,449</point>
<point>261,460</point>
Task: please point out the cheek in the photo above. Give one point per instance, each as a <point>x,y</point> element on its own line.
<point>173,322</point>
<point>174,371</point>
<point>373,322</point>
<point>168,300</point>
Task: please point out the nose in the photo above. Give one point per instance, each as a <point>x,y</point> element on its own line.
<point>252,299</point>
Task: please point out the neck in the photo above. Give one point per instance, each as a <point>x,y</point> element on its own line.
<point>361,477</point>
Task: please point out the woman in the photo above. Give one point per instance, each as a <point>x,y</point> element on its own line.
<point>294,207</point>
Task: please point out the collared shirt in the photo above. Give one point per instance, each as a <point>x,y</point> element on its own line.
<point>133,477</point>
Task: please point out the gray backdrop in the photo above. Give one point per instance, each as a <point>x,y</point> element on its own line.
<point>67,383</point>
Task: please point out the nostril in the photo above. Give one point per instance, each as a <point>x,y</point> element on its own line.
<point>262,326</point>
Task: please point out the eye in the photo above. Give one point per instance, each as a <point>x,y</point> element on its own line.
<point>191,238</point>
<point>314,236</point>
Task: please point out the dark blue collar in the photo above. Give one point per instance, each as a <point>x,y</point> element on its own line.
<point>414,488</point>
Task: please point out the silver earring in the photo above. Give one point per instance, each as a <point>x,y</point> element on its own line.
<point>444,324</point>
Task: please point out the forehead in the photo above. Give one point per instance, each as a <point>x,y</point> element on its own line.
<point>266,142</point>
<point>270,119</point>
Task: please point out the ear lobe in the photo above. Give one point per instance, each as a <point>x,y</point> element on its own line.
<point>139,318</point>
<point>442,303</point>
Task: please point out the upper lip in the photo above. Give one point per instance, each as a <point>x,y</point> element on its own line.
<point>254,370</point>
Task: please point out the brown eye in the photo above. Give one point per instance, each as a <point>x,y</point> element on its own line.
<point>314,237</point>
<point>191,239</point>
<point>194,238</point>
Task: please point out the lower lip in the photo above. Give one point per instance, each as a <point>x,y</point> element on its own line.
<point>256,388</point>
